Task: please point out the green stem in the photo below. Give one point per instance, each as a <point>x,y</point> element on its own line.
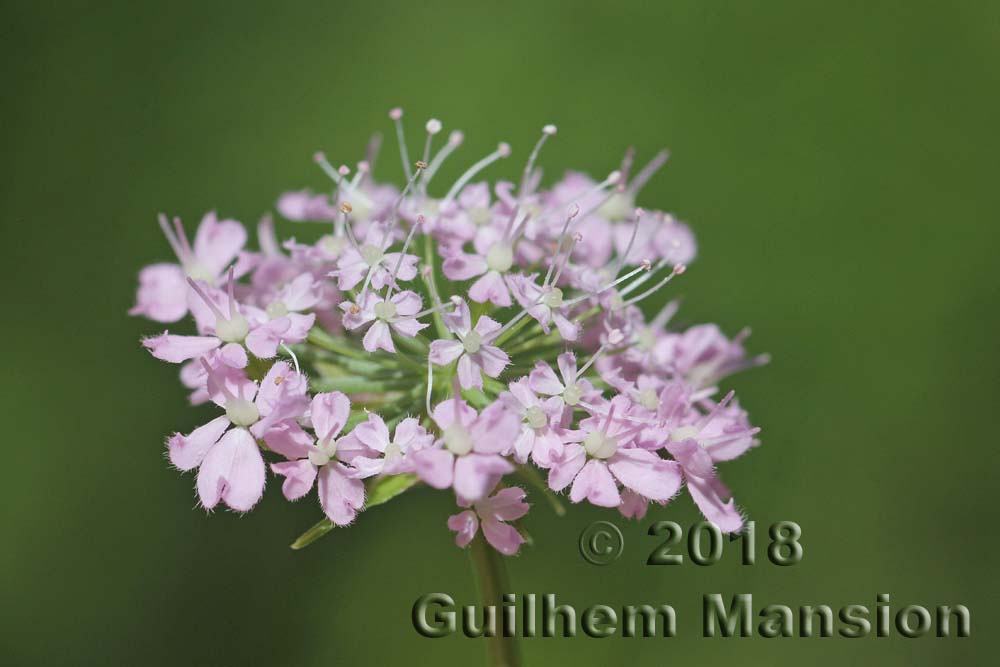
<point>491,580</point>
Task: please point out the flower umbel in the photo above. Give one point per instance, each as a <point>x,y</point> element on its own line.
<point>451,336</point>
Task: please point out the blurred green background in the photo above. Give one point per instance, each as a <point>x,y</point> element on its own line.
<point>838,162</point>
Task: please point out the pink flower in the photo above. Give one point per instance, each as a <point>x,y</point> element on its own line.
<point>603,458</point>
<point>230,467</point>
<point>341,493</point>
<point>398,313</point>
<point>472,349</point>
<point>469,455</point>
<point>230,328</point>
<point>371,257</point>
<point>492,514</point>
<point>493,258</point>
<point>538,437</point>
<point>162,294</point>
<point>697,441</point>
<point>570,387</point>
<point>386,453</point>
<point>545,305</point>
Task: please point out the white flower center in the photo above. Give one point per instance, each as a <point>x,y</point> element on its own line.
<point>553,298</point>
<point>683,433</point>
<point>648,399</point>
<point>371,254</point>
<point>277,309</point>
<point>572,394</point>
<point>535,417</point>
<point>385,310</point>
<point>323,452</point>
<point>393,451</point>
<point>472,342</point>
<point>233,330</point>
<point>457,439</point>
<point>618,207</point>
<point>332,245</point>
<point>500,257</point>
<point>600,446</point>
<point>195,270</point>
<point>479,216</point>
<point>242,412</point>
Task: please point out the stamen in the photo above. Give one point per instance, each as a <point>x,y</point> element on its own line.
<point>371,153</point>
<point>232,294</point>
<point>643,266</point>
<point>208,302</point>
<point>402,253</point>
<point>648,171</point>
<point>337,177</point>
<point>716,409</point>
<point>292,355</point>
<point>631,240</point>
<point>171,239</point>
<point>433,127</point>
<point>547,132</point>
<point>576,238</point>
<point>430,386</point>
<point>182,237</point>
<point>454,141</point>
<point>502,151</point>
<point>574,211</point>
<point>677,270</point>
<point>396,114</point>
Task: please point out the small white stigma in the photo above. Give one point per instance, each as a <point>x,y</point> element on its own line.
<point>395,113</point>
<point>549,129</point>
<point>433,126</point>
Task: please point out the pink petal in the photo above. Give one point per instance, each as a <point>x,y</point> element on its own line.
<point>444,413</point>
<point>544,380</point>
<point>289,439</point>
<point>465,525</point>
<point>216,244</point>
<point>378,337</point>
<point>408,327</point>
<point>340,496</point>
<point>443,352</point>
<point>373,433</point>
<point>633,505</point>
<point>490,287</point>
<point>434,466</point>
<point>595,484</point>
<point>469,375</point>
<point>299,477</point>
<point>463,267</point>
<point>162,293</point>
<point>646,473</point>
<point>707,495</point>
<point>187,451</point>
<point>504,538</point>
<point>263,340</point>
<point>329,412</point>
<point>232,471</point>
<point>508,504</point>
<point>566,465</point>
<point>477,474</point>
<point>176,349</point>
<point>493,360</point>
<point>495,431</point>
<point>407,303</point>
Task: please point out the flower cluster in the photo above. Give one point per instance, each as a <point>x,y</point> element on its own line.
<point>464,340</point>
